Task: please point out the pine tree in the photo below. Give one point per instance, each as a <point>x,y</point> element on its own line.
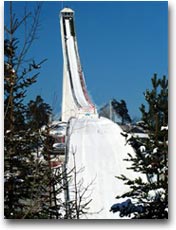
<point>28,178</point>
<point>149,200</point>
<point>121,110</point>
<point>38,113</point>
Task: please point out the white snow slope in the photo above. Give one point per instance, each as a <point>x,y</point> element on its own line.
<point>99,150</point>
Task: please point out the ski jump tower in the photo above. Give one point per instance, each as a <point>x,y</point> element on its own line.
<point>75,98</point>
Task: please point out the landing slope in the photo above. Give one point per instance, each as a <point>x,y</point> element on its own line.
<point>99,151</point>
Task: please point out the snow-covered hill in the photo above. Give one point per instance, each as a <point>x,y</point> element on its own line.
<point>99,150</point>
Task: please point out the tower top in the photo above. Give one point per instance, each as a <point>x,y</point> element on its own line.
<point>67,10</point>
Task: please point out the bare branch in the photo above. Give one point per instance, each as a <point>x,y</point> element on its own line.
<point>30,36</point>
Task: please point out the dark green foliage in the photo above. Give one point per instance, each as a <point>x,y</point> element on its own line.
<point>151,155</point>
<point>116,109</point>
<point>29,189</point>
<point>126,208</point>
<point>121,110</point>
<point>38,113</point>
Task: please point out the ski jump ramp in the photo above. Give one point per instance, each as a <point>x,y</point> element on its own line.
<point>75,99</point>
<point>95,144</point>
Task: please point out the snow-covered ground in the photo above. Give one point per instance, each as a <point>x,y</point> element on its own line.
<point>99,150</point>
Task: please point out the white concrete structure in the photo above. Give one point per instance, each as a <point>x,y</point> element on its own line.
<point>75,99</point>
